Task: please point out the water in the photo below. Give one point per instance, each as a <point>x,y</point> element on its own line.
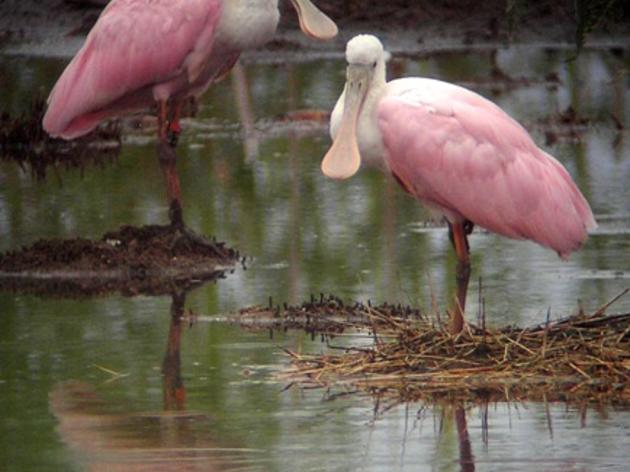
<point>80,380</point>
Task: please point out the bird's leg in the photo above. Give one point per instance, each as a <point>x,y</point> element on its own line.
<point>458,234</point>
<point>168,159</point>
<point>182,235</point>
<point>174,129</point>
<point>163,120</point>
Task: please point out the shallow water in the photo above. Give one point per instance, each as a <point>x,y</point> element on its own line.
<point>262,192</point>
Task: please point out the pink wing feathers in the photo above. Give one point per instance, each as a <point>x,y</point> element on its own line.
<point>461,154</point>
<point>134,45</point>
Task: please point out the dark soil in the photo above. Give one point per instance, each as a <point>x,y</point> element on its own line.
<point>477,21</point>
<point>149,260</point>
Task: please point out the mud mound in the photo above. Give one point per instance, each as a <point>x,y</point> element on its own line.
<point>149,259</point>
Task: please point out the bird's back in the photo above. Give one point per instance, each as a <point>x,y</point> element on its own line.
<point>462,155</point>
<point>134,45</point>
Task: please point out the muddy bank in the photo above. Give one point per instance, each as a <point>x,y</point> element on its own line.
<point>45,23</point>
<point>149,260</point>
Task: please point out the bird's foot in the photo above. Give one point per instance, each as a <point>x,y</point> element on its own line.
<point>184,239</point>
<point>456,320</point>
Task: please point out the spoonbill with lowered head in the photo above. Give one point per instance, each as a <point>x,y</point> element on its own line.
<point>456,152</point>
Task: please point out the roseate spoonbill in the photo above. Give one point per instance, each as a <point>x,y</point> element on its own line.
<point>145,52</point>
<point>456,152</point>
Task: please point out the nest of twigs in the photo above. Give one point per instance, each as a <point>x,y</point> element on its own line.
<point>576,359</point>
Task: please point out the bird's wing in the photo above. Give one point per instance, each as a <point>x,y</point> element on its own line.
<point>460,153</point>
<point>134,43</point>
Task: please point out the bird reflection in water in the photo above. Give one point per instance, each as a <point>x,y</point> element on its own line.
<point>101,438</point>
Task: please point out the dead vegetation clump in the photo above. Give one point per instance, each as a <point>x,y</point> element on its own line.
<point>582,358</point>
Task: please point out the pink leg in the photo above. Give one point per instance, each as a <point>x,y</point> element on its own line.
<point>174,129</point>
<point>168,160</point>
<point>460,243</point>
<point>162,120</point>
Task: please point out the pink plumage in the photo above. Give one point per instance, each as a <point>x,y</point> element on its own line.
<point>142,52</point>
<point>134,47</point>
<point>458,154</point>
<point>462,155</point>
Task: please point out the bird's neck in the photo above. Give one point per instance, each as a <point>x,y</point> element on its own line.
<point>247,24</point>
<point>369,136</point>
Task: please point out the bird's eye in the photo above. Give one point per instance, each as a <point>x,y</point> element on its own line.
<point>374,65</point>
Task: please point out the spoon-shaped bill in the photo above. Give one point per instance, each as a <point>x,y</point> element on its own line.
<point>313,22</point>
<point>343,159</point>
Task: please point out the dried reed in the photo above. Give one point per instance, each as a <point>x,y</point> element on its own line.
<point>576,359</point>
